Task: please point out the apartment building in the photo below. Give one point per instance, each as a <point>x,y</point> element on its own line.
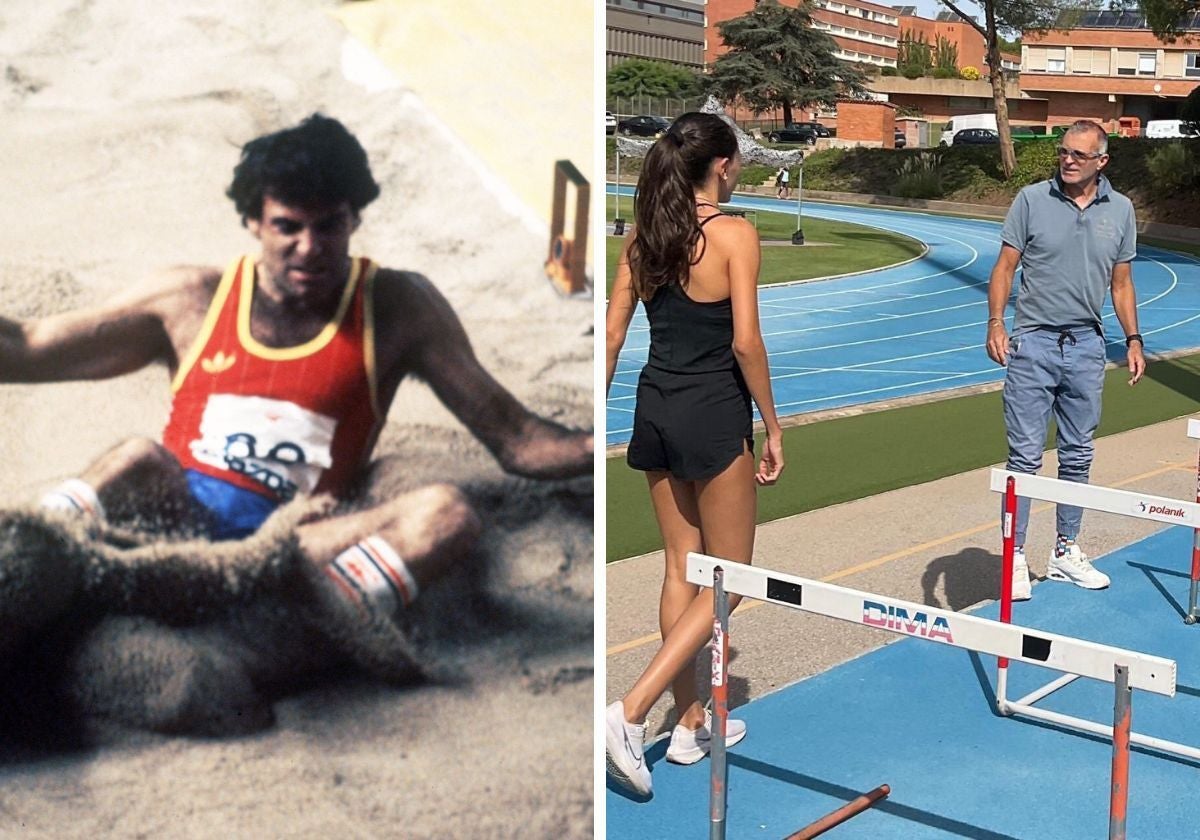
<point>1109,65</point>
<point>870,34</point>
<point>864,32</point>
<point>660,30</point>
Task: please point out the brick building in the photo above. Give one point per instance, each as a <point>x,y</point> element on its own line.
<point>1110,65</point>
<point>1104,66</point>
<point>864,32</point>
<point>870,33</point>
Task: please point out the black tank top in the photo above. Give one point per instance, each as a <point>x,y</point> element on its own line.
<point>689,336</point>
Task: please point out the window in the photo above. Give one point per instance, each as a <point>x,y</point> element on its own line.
<point>1056,65</point>
<point>1191,64</point>
<point>1146,64</point>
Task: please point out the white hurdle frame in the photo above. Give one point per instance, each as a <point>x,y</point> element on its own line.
<point>1091,497</point>
<point>1124,669</point>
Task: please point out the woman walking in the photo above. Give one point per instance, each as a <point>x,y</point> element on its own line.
<point>695,270</point>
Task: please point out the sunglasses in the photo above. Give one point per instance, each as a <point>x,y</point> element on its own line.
<point>1078,156</point>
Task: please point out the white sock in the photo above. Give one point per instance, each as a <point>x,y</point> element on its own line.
<point>74,495</point>
<point>372,573</point>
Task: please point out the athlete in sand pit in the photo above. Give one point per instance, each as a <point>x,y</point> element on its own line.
<point>283,368</point>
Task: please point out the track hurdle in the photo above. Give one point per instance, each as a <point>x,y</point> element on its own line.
<point>1090,497</point>
<point>1125,669</point>
<point>1193,431</point>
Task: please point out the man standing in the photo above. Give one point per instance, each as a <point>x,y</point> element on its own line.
<point>1074,237</point>
<point>782,181</point>
<point>284,366</point>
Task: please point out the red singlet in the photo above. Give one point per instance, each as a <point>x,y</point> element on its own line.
<point>278,420</point>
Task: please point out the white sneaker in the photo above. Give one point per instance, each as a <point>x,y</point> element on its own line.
<point>690,745</point>
<point>1022,589</point>
<point>1074,567</point>
<point>623,750</point>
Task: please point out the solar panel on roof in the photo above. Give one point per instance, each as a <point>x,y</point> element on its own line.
<point>1115,19</point>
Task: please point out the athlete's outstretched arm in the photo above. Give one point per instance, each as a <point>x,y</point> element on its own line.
<point>523,443</point>
<point>114,338</point>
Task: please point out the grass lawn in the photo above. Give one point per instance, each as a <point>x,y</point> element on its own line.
<point>844,249</point>
<point>1167,245</point>
<point>853,457</point>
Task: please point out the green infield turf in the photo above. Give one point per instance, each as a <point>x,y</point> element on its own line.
<point>834,248</point>
<point>852,457</point>
<point>1168,245</point>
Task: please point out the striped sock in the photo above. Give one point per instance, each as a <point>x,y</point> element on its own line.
<point>1061,543</point>
<point>74,495</point>
<point>371,574</point>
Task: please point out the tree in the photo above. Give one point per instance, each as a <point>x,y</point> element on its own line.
<point>914,56</point>
<point>1010,16</point>
<point>639,77</point>
<point>776,59</point>
<point>1165,16</point>
<point>947,55</point>
<point>1189,111</point>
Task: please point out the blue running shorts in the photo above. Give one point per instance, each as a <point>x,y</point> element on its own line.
<point>232,512</point>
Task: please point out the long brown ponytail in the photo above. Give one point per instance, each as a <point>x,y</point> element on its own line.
<point>665,201</point>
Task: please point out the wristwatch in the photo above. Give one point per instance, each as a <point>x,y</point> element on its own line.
<point>1135,337</point>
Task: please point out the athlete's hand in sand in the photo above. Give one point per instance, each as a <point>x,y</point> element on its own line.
<point>771,465</point>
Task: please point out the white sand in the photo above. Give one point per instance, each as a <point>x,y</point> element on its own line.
<point>121,124</point>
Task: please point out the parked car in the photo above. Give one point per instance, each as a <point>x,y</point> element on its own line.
<point>976,137</point>
<point>610,123</point>
<point>803,132</point>
<point>644,126</point>
<point>957,124</point>
<point>901,140</point>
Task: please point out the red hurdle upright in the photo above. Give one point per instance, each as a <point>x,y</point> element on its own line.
<point>1193,612</point>
<point>718,790</point>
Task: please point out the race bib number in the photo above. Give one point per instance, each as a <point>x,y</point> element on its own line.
<point>278,444</point>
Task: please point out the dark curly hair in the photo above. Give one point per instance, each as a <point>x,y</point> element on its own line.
<point>667,230</point>
<point>317,163</point>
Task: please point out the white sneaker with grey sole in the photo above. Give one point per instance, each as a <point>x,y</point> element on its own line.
<point>1022,589</point>
<point>690,745</point>
<point>623,750</point>
<point>1074,567</point>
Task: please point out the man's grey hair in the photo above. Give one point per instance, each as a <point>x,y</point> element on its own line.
<point>1090,127</point>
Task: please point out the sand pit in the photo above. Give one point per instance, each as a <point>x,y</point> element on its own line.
<point>122,124</point>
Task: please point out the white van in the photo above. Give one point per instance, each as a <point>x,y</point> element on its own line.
<point>958,123</point>
<point>1161,129</point>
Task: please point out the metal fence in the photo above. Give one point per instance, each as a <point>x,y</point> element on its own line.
<point>656,106</point>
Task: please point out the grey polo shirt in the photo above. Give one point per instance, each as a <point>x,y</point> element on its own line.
<point>1067,254</point>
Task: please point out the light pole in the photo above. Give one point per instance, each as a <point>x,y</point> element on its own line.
<point>618,222</point>
<point>798,236</point>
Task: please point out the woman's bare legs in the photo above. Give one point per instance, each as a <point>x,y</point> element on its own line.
<point>678,518</point>
<point>727,506</point>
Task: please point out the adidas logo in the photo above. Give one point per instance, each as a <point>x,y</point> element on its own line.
<point>218,363</point>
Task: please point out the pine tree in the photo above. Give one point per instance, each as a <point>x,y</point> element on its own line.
<point>776,59</point>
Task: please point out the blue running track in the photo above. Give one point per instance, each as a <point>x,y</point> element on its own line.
<point>911,329</point>
<point>918,716</point>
